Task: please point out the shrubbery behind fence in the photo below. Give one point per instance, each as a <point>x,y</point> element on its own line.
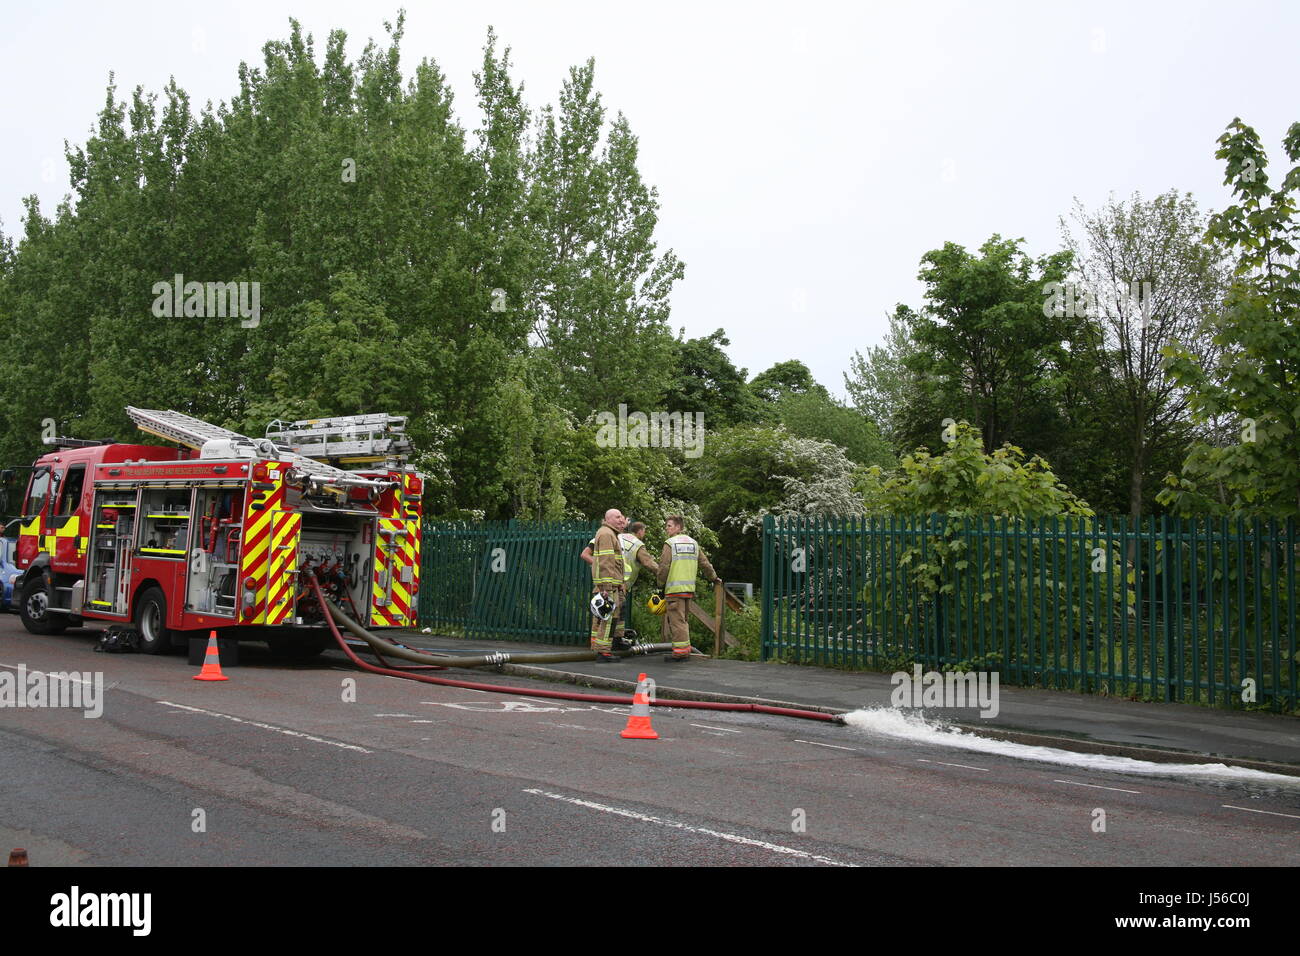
<point>1167,609</point>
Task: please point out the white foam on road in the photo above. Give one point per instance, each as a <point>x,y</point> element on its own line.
<point>895,723</point>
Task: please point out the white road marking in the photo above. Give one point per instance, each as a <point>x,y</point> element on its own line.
<point>52,674</point>
<point>725,730</point>
<point>944,764</point>
<point>714,733</point>
<point>529,705</point>
<point>278,730</point>
<point>1292,816</point>
<point>1095,786</point>
<point>394,715</point>
<point>816,744</point>
<point>676,825</point>
<point>497,706</point>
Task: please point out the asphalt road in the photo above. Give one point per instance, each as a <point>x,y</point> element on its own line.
<point>278,766</point>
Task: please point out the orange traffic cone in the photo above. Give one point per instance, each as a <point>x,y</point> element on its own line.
<point>638,725</point>
<point>211,661</point>
<point>18,857</point>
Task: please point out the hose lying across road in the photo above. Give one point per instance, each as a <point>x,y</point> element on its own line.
<point>334,616</point>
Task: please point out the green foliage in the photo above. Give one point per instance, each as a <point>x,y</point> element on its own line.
<point>746,626</point>
<point>598,290</point>
<point>1253,393</point>
<point>1147,276</point>
<point>751,470</point>
<point>883,387</point>
<point>402,266</point>
<point>990,662</point>
<point>707,381</point>
<point>966,481</point>
<point>983,343</point>
<point>814,414</point>
<point>791,377</point>
<point>935,556</point>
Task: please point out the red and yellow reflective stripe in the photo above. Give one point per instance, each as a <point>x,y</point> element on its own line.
<point>390,604</point>
<point>263,504</point>
<point>395,580</point>
<point>414,540</point>
<point>285,528</point>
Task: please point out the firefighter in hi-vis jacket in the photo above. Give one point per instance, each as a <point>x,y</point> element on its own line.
<point>635,557</point>
<point>607,586</point>
<point>679,564</point>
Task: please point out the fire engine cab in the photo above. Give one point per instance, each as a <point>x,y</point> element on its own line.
<point>218,534</point>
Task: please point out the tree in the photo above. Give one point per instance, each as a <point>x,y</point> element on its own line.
<point>750,470</point>
<point>599,291</point>
<point>791,377</point>
<point>1256,380</point>
<point>814,414</point>
<point>705,380</point>
<point>883,388</point>
<point>984,340</point>
<point>1145,278</point>
<point>399,265</point>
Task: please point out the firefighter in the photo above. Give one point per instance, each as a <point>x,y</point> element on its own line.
<point>635,557</point>
<point>679,564</point>
<point>607,586</point>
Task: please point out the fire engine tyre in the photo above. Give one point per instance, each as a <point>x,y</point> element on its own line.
<point>151,621</point>
<point>33,607</point>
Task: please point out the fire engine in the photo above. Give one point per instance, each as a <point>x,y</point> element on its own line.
<point>218,533</point>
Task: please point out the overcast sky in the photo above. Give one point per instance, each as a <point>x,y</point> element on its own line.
<point>806,155</point>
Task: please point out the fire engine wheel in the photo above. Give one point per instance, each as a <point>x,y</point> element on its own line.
<point>151,621</point>
<point>33,607</point>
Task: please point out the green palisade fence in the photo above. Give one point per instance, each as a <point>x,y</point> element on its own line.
<point>1166,609</point>
<point>508,579</point>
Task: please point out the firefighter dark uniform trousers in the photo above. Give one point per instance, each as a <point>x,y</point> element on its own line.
<point>607,577</point>
<point>681,560</point>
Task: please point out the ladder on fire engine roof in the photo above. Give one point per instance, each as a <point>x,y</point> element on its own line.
<point>194,432</point>
<point>352,438</point>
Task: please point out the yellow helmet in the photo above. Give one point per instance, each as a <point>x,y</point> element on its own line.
<point>656,604</point>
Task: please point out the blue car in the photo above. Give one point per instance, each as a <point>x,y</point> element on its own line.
<point>8,573</point>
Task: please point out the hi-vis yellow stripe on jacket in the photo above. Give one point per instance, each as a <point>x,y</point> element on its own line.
<point>685,565</point>
<point>607,559</point>
<point>631,567</point>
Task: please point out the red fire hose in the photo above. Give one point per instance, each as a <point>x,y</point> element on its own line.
<point>553,694</point>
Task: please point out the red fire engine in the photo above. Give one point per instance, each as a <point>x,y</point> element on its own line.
<point>216,535</point>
